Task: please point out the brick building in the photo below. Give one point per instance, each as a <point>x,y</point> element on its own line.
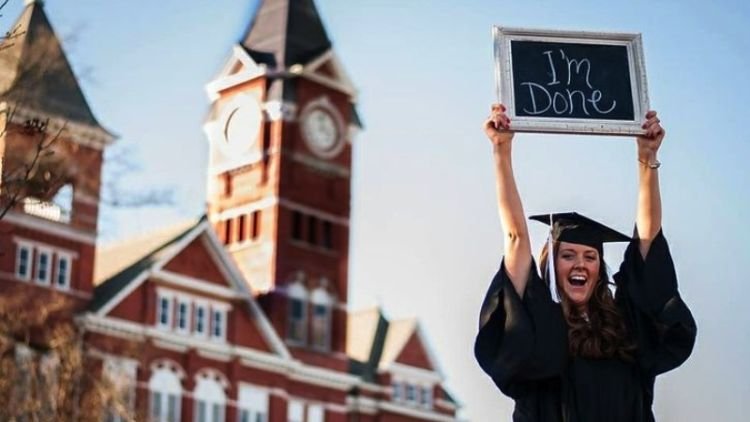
<point>241,315</point>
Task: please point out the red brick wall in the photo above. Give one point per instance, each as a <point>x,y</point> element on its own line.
<point>414,354</point>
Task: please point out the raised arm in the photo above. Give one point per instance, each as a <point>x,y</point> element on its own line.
<point>649,198</point>
<point>516,240</point>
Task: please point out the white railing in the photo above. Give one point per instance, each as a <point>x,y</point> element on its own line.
<point>46,210</point>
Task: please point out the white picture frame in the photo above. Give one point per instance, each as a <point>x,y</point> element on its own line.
<point>502,38</point>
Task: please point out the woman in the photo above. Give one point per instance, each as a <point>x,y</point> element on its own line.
<point>594,356</point>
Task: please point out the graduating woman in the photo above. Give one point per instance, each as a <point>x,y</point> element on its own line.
<point>561,344</point>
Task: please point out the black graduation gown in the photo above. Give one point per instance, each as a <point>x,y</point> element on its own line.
<point>522,345</point>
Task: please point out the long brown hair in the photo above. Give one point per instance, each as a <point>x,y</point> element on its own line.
<point>604,335</point>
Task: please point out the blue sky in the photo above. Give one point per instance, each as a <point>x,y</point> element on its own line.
<point>424,219</point>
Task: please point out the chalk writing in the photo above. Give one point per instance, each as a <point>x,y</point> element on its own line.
<point>570,98</point>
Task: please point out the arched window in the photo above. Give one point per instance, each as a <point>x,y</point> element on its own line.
<point>166,393</point>
<point>320,326</point>
<point>297,313</point>
<point>209,400</point>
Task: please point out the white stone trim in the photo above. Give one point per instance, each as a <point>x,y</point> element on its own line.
<point>415,412</point>
<point>43,245</point>
<point>50,227</point>
<point>259,205</point>
<point>362,405</point>
<point>445,404</point>
<point>225,79</point>
<point>321,165</point>
<point>342,82</point>
<point>220,351</point>
<point>412,374</point>
<point>322,215</point>
<point>203,286</point>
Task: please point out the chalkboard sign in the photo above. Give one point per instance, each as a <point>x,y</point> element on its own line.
<point>571,82</point>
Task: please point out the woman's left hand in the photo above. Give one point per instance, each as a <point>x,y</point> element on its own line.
<point>649,142</point>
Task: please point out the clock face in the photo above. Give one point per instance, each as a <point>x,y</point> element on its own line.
<point>241,126</point>
<point>321,131</point>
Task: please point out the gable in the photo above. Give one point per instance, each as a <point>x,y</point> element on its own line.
<point>196,262</point>
<point>414,353</point>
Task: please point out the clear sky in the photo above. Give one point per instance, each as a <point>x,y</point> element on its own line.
<point>425,234</point>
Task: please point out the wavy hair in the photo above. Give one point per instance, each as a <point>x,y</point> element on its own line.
<point>605,334</point>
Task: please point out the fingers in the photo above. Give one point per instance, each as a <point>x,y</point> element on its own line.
<point>498,117</point>
<point>652,125</point>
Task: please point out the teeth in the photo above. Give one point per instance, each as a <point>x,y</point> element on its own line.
<point>578,278</point>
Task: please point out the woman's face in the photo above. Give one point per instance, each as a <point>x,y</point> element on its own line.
<point>577,271</point>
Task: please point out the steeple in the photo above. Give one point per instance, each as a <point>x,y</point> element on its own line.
<point>35,73</point>
<point>286,32</point>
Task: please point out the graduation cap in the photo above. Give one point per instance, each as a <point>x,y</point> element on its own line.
<point>575,228</point>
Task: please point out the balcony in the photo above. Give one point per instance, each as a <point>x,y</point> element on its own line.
<point>47,210</point>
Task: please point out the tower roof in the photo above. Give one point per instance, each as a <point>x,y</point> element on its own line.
<point>35,72</point>
<point>286,32</point>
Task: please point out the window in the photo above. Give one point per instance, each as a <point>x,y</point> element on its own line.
<point>296,225</point>
<point>252,404</point>
<point>241,229</point>
<point>295,411</point>
<point>183,315</point>
<point>315,413</point>
<point>166,393</point>
<point>427,397</point>
<point>218,324</point>
<point>62,271</point>
<point>411,393</point>
<point>228,232</point>
<point>42,266</point>
<point>321,323</point>
<point>297,320</point>
<point>200,319</point>
<point>164,314</point>
<point>23,259</point>
<point>312,230</point>
<point>327,235</point>
<point>256,224</point>
<point>209,401</point>
<point>398,391</point>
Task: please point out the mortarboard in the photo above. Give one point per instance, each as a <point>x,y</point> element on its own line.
<point>575,228</point>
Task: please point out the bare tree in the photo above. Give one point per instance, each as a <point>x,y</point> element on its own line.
<point>47,369</point>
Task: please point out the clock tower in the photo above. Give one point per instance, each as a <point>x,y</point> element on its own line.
<point>280,130</point>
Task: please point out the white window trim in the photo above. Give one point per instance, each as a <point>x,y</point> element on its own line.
<point>310,412</point>
<point>29,260</point>
<point>255,393</point>
<point>216,310</point>
<point>69,259</point>
<point>183,300</point>
<point>37,263</point>
<point>160,295</point>
<point>321,297</point>
<point>297,405</point>
<point>202,304</point>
